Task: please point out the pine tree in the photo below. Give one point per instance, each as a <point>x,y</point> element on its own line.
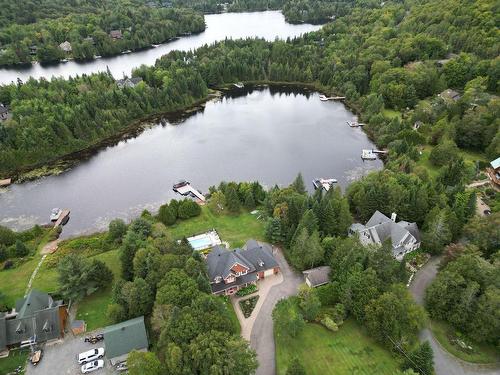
<point>166,215</point>
<point>249,201</point>
<point>232,200</point>
<point>421,360</point>
<point>298,184</point>
<point>273,230</point>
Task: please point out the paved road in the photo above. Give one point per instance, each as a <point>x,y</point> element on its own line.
<point>444,363</point>
<point>261,338</point>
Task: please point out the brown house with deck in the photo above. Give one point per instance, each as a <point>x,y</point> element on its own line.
<point>231,270</point>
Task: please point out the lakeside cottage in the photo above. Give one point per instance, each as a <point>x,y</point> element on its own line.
<point>36,318</point>
<point>317,276</point>
<point>450,95</point>
<point>120,339</point>
<point>4,112</point>
<point>66,46</point>
<point>128,82</point>
<point>231,270</point>
<point>116,34</point>
<point>404,236</point>
<point>494,171</point>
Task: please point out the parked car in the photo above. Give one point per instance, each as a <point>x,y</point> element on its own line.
<point>36,357</point>
<point>92,366</point>
<point>94,338</point>
<point>121,366</point>
<point>90,355</point>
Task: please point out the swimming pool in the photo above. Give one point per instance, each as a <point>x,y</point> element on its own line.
<point>201,243</point>
<point>205,240</point>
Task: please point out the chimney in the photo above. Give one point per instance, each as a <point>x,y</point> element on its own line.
<point>393,216</point>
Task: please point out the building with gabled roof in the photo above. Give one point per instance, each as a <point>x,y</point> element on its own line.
<point>120,339</point>
<point>37,318</point>
<point>404,236</point>
<point>317,276</point>
<point>231,270</point>
<point>66,46</point>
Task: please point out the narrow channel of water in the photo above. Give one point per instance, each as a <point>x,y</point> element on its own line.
<point>264,134</point>
<point>268,25</point>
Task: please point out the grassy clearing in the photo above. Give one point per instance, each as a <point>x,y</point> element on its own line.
<point>13,282</point>
<point>391,113</point>
<point>480,353</point>
<point>15,359</point>
<point>348,351</point>
<point>235,229</point>
<point>93,309</point>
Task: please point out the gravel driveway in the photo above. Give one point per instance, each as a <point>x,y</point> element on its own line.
<point>444,363</point>
<point>262,338</point>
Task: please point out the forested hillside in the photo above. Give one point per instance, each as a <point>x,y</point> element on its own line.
<point>87,28</point>
<point>393,58</point>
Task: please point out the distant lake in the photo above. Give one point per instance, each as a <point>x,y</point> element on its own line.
<point>268,25</point>
<point>264,134</point>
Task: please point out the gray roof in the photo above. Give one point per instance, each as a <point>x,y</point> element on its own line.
<point>3,109</point>
<point>37,315</point>
<point>124,337</point>
<point>128,82</point>
<point>318,276</point>
<point>255,257</point>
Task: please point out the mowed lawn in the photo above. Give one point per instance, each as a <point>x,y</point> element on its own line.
<point>235,229</point>
<point>348,351</point>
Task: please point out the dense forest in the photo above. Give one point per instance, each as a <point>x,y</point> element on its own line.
<point>89,34</point>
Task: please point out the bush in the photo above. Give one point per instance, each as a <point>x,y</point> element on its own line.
<point>188,209</point>
<point>248,305</point>
<point>247,290</point>
<point>117,229</point>
<point>329,324</point>
<point>167,215</point>
<point>21,249</point>
<point>8,265</point>
<point>141,226</point>
<point>7,236</point>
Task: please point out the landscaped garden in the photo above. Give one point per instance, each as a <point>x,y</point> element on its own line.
<point>248,305</point>
<point>348,351</point>
<point>252,288</point>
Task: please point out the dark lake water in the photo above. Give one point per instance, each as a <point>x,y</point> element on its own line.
<point>265,134</point>
<point>268,25</point>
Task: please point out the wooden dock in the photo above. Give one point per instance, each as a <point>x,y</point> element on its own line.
<point>187,189</point>
<point>325,98</point>
<point>63,218</point>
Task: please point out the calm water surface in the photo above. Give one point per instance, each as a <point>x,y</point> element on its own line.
<point>268,25</point>
<point>266,134</point>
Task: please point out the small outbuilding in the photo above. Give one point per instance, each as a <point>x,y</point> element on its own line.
<point>317,276</point>
<point>120,339</point>
<point>116,34</point>
<point>450,95</point>
<point>4,112</point>
<point>494,171</point>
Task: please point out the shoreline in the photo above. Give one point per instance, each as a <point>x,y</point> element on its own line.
<point>65,162</point>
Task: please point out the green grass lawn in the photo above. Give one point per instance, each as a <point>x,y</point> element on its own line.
<point>16,358</point>
<point>13,282</point>
<point>232,313</point>
<point>349,351</point>
<point>391,113</point>
<point>481,353</point>
<point>235,229</point>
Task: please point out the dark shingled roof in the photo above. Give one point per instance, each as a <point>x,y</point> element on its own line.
<point>124,337</point>
<point>318,276</point>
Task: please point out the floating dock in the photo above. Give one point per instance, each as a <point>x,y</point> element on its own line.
<point>354,124</point>
<point>368,155</point>
<point>185,188</point>
<point>322,183</point>
<point>63,218</point>
<point>325,98</point>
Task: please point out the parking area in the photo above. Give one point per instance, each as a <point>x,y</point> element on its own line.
<point>60,358</point>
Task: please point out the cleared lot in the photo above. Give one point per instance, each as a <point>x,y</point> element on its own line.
<point>60,358</point>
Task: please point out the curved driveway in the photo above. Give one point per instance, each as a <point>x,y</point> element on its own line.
<point>444,363</point>
<point>262,338</point>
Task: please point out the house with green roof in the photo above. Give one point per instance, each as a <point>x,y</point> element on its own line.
<point>37,318</point>
<point>120,339</point>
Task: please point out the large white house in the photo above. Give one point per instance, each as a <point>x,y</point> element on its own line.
<point>404,236</point>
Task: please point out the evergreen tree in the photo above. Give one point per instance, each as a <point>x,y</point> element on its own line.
<point>298,184</point>
<point>21,249</point>
<point>232,200</point>
<point>421,360</point>
<point>166,215</point>
<point>273,230</point>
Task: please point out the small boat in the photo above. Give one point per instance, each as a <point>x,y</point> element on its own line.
<point>354,124</point>
<point>55,213</point>
<point>180,184</point>
<point>98,57</point>
<point>64,60</point>
<point>368,155</point>
<point>239,85</point>
<point>155,45</point>
<point>322,183</point>
<point>127,51</point>
<point>323,98</point>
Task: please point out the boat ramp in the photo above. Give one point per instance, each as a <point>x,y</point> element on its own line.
<point>184,188</point>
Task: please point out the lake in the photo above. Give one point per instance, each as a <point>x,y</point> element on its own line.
<point>267,134</point>
<point>268,25</point>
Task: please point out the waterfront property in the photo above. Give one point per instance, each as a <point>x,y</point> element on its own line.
<point>122,338</point>
<point>4,112</point>
<point>404,236</point>
<point>128,82</point>
<point>317,276</point>
<point>231,270</point>
<point>36,318</point>
<point>205,241</point>
<point>494,171</point>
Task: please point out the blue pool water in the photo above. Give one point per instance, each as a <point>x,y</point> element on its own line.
<point>200,243</point>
